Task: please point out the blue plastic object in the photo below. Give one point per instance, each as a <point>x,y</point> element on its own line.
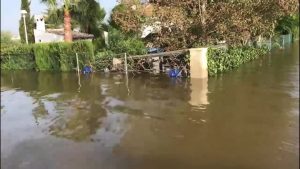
<point>87,69</point>
<point>174,73</point>
<point>155,50</point>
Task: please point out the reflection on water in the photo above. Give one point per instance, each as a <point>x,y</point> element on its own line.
<point>199,92</point>
<point>244,119</point>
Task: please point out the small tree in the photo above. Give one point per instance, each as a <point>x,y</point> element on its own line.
<point>89,16</point>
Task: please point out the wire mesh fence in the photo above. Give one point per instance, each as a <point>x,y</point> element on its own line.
<point>276,41</point>
<point>151,64</point>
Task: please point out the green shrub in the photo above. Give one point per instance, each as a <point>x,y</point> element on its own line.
<point>220,60</point>
<point>99,44</point>
<point>121,43</point>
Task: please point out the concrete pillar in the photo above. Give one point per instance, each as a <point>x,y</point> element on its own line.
<point>198,63</point>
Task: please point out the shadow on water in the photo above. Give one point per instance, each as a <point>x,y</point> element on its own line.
<point>245,118</point>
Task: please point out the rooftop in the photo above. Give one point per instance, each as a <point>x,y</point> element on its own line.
<point>76,35</point>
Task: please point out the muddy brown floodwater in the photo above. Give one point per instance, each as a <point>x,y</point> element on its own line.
<point>244,119</point>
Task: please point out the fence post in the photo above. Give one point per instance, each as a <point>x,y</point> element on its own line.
<point>77,63</point>
<point>125,62</point>
<point>126,73</point>
<point>78,73</point>
<point>259,41</point>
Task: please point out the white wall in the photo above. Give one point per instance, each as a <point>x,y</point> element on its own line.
<point>40,22</point>
<point>41,36</point>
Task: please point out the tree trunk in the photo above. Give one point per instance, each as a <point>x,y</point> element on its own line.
<point>202,11</point>
<point>203,14</point>
<point>67,26</point>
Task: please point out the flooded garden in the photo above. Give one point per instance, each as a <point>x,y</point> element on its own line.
<point>246,118</point>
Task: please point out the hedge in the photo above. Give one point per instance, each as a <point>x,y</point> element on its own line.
<point>17,57</point>
<point>47,56</point>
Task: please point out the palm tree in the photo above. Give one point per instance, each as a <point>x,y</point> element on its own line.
<point>90,17</point>
<point>67,15</point>
<point>67,25</point>
<point>87,14</point>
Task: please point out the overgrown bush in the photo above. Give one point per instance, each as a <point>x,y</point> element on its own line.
<point>121,43</point>
<point>99,44</point>
<point>220,60</point>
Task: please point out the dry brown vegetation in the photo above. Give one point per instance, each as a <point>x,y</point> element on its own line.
<point>188,23</point>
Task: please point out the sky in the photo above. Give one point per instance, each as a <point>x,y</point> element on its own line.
<point>10,12</point>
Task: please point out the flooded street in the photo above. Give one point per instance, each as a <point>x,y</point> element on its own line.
<point>245,119</point>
